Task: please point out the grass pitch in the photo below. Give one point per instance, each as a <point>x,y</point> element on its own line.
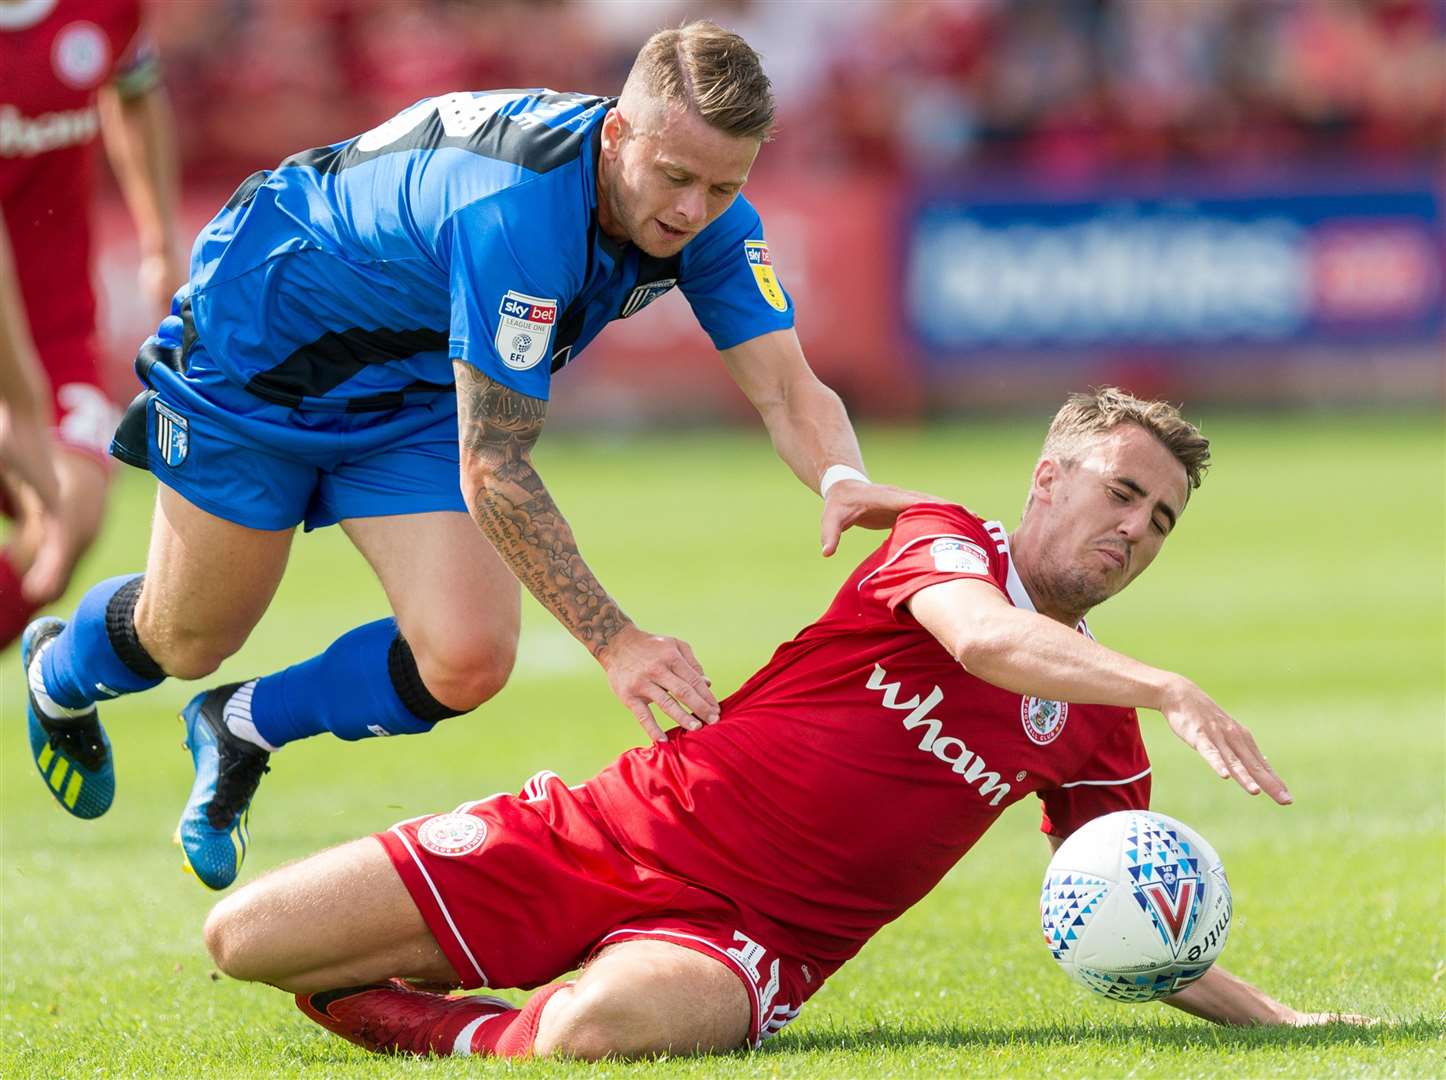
<point>1304,590</point>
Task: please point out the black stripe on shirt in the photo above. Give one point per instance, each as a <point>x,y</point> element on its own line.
<point>534,146</point>
<point>316,369</point>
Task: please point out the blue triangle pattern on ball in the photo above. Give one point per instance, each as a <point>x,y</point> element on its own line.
<point>1063,909</point>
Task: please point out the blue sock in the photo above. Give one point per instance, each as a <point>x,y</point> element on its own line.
<point>81,666</point>
<point>350,690</point>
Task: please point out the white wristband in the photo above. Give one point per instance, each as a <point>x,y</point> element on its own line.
<point>834,473</point>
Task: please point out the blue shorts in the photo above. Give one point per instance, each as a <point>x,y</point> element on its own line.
<point>267,466</point>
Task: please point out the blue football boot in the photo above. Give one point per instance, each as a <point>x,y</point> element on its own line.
<point>213,829</point>
<point>72,754</point>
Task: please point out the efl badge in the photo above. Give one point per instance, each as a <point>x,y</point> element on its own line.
<point>80,55</point>
<point>452,834</point>
<point>761,262</point>
<point>173,434</point>
<point>1043,720</point>
<point>644,295</point>
<point>954,556</point>
<point>524,330</point>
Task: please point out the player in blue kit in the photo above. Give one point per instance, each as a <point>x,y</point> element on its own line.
<point>350,315</point>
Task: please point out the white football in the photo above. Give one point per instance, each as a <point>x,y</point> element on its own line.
<point>1135,905</point>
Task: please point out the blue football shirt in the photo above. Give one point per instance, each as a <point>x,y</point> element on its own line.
<point>465,227</point>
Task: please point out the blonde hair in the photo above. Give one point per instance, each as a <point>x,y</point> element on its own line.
<point>712,72</point>
<point>1085,416</point>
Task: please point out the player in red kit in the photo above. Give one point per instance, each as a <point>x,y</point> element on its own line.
<point>709,885</point>
<point>70,71</point>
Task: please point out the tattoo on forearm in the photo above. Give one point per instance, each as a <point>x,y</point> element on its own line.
<point>498,428</point>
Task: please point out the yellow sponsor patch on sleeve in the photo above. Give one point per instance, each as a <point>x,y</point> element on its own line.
<point>756,251</point>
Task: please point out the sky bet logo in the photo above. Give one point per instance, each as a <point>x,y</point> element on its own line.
<point>520,309</point>
<point>524,329</point>
<point>757,253</point>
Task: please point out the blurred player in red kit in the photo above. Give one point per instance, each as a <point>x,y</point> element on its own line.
<point>70,70</point>
<point>711,883</point>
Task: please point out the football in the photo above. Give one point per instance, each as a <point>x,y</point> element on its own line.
<point>1135,906</point>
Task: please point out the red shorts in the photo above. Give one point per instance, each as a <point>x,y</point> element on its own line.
<point>85,416</point>
<point>520,889</point>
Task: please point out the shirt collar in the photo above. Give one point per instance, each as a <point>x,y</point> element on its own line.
<point>605,243</point>
<point>1013,584</point>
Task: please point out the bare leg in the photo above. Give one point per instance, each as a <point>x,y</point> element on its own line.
<point>455,601</point>
<point>208,582</point>
<point>338,918</point>
<point>343,918</point>
<point>646,997</point>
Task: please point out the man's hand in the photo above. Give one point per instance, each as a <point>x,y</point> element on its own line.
<point>159,275</point>
<point>1227,746</point>
<point>1300,1019</point>
<point>870,506</point>
<point>644,669</point>
<point>1223,998</point>
<point>513,508</point>
<point>41,545</point>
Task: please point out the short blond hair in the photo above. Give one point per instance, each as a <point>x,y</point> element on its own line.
<point>710,71</point>
<point>1085,416</point>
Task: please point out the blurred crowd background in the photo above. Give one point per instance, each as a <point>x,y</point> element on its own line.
<point>1070,87</point>
<point>1266,175</point>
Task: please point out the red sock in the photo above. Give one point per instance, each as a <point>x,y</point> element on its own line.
<point>512,1034</point>
<point>15,610</point>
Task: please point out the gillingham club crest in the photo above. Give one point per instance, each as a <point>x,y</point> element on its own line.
<point>644,295</point>
<point>173,434</point>
<point>1043,720</point>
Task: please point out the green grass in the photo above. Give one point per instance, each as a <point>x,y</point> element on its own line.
<point>1304,590</point>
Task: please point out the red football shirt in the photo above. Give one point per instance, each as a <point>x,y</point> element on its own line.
<point>54,56</point>
<point>848,775</point>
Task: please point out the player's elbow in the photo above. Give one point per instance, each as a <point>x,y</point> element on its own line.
<point>479,478</point>
<point>980,646</point>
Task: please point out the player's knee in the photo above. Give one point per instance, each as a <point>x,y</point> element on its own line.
<point>589,1024</point>
<point>227,939</point>
<point>246,942</point>
<point>462,673</point>
<point>604,1020</point>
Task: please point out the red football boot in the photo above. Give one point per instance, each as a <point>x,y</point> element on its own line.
<point>396,1018</point>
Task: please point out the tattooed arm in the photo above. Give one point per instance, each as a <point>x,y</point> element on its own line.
<point>498,428</point>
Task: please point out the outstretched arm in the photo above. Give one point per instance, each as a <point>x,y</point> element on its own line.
<point>1223,998</point>
<point>25,443</point>
<point>811,431</point>
<point>498,428</point>
<point>40,545</point>
<point>140,142</point>
<point>1030,654</point>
